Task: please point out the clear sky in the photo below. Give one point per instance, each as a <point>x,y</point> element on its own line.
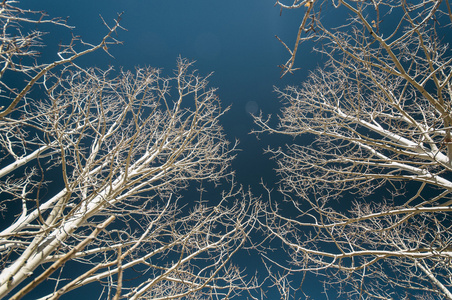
<point>235,39</point>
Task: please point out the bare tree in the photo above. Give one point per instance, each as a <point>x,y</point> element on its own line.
<point>93,171</point>
<point>372,191</point>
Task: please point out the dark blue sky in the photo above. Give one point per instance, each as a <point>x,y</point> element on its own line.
<point>235,39</point>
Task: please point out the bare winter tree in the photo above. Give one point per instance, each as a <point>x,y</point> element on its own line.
<point>90,174</point>
<point>372,191</point>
